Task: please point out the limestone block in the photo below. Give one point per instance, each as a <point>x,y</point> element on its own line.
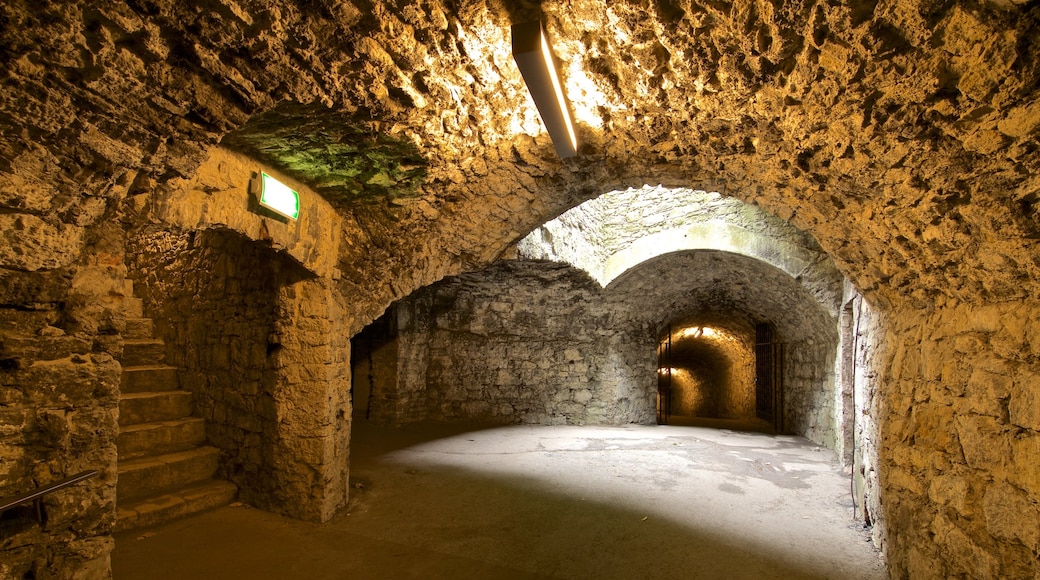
<point>958,547</point>
<point>952,490</point>
<point>30,243</point>
<point>1025,456</point>
<point>983,441</point>
<point>986,390</point>
<point>1024,406</point>
<point>1011,515</point>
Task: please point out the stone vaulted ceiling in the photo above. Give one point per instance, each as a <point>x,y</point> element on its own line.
<point>902,134</point>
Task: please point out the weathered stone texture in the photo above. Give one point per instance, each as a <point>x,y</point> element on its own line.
<point>310,436</point>
<point>223,305</point>
<point>697,287</point>
<point>527,342</point>
<point>902,136</point>
<point>213,296</point>
<point>60,319</point>
<point>221,195</point>
<point>614,236</point>
<point>619,230</point>
<point>374,377</point>
<point>958,468</point>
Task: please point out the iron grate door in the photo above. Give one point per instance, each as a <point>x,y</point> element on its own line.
<point>769,377</point>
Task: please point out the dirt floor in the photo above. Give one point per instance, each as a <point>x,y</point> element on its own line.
<point>451,501</point>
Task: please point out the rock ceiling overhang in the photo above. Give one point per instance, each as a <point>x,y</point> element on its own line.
<point>902,135</point>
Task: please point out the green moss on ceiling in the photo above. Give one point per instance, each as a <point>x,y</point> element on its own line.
<point>339,155</point>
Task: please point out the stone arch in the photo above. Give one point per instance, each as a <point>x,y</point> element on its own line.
<point>225,284</point>
<point>705,286</point>
<point>218,196</point>
<point>615,232</point>
<point>718,235</point>
<point>901,135</point>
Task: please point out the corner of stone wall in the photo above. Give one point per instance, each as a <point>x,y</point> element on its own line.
<point>960,421</point>
<point>311,395</point>
<point>60,328</point>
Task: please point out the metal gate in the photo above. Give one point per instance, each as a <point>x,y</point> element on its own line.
<point>769,377</point>
<point>664,379</point>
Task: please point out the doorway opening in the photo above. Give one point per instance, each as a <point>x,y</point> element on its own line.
<point>708,374</point>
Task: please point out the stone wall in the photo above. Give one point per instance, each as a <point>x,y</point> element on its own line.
<point>250,331</point>
<point>621,229</point>
<point>794,284</point>
<point>309,441</point>
<point>862,386</point>
<point>960,428</point>
<point>214,297</point>
<point>810,387</point>
<point>61,315</point>
<point>902,135</point>
<point>374,378</point>
<point>525,342</point>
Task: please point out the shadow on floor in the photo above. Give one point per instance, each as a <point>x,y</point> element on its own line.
<point>421,520</point>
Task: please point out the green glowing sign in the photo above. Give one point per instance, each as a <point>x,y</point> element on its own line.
<point>278,197</point>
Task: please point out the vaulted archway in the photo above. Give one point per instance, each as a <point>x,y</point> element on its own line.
<point>900,135</point>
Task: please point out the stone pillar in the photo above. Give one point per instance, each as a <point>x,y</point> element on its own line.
<point>309,445</point>
<point>413,359</point>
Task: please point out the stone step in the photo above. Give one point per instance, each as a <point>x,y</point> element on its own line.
<point>149,378</point>
<point>133,307</point>
<point>160,437</point>
<point>159,474</point>
<point>136,408</point>
<point>155,510</point>
<point>143,352</point>
<point>139,328</point>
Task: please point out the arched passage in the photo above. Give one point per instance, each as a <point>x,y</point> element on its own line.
<point>706,371</point>
<point>902,135</point>
<point>740,291</point>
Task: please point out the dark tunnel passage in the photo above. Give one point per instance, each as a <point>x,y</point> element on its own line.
<point>706,372</point>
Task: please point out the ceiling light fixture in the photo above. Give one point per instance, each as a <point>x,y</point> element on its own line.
<point>535,61</point>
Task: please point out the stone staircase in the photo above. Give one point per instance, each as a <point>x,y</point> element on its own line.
<point>165,469</point>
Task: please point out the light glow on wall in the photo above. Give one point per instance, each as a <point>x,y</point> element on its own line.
<point>697,332</point>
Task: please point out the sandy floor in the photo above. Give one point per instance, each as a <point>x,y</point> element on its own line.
<point>445,501</point>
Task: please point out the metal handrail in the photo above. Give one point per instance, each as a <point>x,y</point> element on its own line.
<point>35,495</point>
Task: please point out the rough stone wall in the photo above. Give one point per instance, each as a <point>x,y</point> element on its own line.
<point>619,230</point>
<point>960,441</point>
<point>414,318</point>
<point>213,295</point>
<point>869,359</point>
<point>902,135</point>
<point>307,439</point>
<point>373,375</point>
<point>529,342</point>
<point>253,336</point>
<point>810,410</point>
<point>741,396</point>
<point>61,314</point>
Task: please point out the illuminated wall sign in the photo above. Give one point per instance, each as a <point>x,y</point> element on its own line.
<point>278,197</point>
